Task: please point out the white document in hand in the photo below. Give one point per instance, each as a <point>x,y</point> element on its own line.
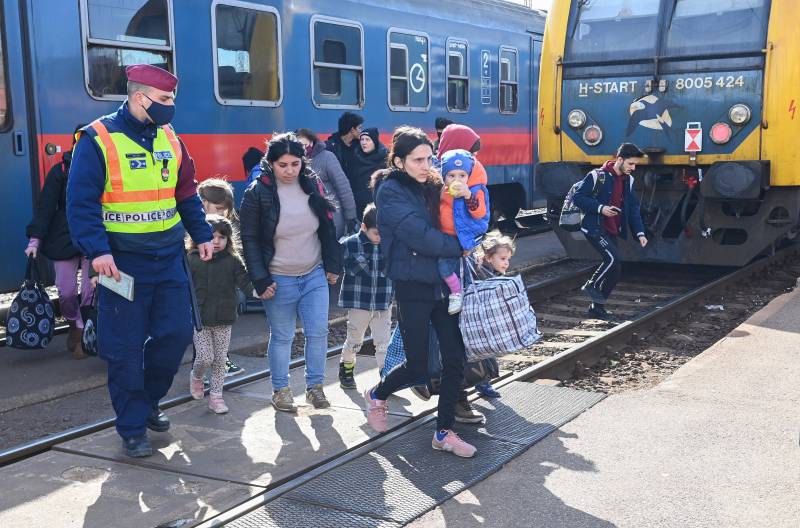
<point>124,287</point>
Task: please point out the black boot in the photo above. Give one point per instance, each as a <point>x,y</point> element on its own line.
<point>598,311</point>
<point>346,380</point>
<point>158,421</point>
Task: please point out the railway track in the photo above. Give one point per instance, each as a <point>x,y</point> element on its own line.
<point>649,297</point>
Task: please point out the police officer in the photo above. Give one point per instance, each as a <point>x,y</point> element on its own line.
<point>130,194</point>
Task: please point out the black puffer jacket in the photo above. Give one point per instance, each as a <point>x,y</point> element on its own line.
<point>410,242</point>
<point>259,216</point>
<point>49,222</point>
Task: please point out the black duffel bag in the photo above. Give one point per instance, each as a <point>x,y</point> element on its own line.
<point>31,317</point>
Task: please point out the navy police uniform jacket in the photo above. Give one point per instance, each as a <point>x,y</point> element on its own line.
<point>85,185</point>
<point>592,223</point>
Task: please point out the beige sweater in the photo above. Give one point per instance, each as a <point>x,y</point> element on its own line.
<point>297,247</point>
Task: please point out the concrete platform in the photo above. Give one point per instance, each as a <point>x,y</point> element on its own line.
<point>66,490</point>
<point>402,403</point>
<point>252,445</point>
<point>715,445</point>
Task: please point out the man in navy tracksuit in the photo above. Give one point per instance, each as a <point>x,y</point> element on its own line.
<point>609,207</point>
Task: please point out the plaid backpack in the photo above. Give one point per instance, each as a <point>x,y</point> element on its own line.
<point>31,318</point>
<point>497,318</point>
<point>571,215</point>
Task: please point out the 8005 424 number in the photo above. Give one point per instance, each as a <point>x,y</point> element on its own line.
<point>698,83</point>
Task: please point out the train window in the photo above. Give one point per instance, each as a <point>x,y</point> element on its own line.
<point>247,40</point>
<point>715,26</point>
<point>509,83</point>
<point>457,75</point>
<point>4,117</point>
<point>338,63</point>
<point>398,75</point>
<point>118,33</point>
<point>612,29</point>
<point>407,55</point>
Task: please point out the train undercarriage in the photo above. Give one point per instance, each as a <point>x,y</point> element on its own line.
<point>726,218</point>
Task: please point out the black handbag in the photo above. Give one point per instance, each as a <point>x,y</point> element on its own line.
<point>89,335</point>
<point>31,317</point>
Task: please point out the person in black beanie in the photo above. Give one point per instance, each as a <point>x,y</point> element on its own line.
<point>369,157</point>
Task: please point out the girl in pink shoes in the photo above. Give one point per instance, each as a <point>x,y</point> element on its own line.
<point>215,283</point>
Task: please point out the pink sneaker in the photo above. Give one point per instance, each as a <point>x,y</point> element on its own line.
<point>454,444</point>
<point>195,387</point>
<point>376,413</point>
<point>217,404</point>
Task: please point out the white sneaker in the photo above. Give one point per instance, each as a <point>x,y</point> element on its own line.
<point>455,304</point>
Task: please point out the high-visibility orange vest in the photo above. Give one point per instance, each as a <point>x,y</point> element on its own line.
<point>139,193</point>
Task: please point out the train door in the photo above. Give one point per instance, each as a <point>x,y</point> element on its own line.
<point>536,55</point>
<point>15,153</point>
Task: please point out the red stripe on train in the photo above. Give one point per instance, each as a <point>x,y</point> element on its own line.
<point>221,154</point>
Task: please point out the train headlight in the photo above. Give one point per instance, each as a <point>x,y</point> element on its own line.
<point>593,135</point>
<point>739,114</point>
<point>576,118</point>
<point>721,133</point>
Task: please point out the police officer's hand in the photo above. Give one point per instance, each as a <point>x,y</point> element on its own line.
<point>332,278</point>
<point>32,251</point>
<point>269,293</point>
<point>104,265</point>
<point>206,250</point>
<point>643,240</point>
<point>608,210</point>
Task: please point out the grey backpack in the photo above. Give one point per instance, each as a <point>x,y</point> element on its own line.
<point>571,215</point>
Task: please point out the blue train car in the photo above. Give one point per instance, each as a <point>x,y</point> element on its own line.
<point>250,68</point>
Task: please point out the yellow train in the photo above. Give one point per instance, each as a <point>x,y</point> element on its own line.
<point>709,89</point>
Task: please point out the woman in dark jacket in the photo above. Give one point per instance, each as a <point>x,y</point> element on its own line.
<point>408,212</point>
<point>337,187</point>
<point>370,156</point>
<point>48,232</point>
<point>291,254</point>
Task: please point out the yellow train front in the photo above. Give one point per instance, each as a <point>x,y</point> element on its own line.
<point>710,90</point>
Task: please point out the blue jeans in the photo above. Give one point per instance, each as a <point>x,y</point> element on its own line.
<point>306,296</point>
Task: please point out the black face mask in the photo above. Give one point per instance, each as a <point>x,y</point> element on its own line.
<point>161,114</point>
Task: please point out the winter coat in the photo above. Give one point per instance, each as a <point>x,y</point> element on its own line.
<point>592,218</point>
<point>363,166</point>
<point>337,187</point>
<point>467,219</point>
<point>49,222</point>
<point>215,282</point>
<point>342,152</point>
<point>259,216</point>
<point>410,242</point>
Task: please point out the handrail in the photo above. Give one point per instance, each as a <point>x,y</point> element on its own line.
<point>767,67</point>
<point>556,94</point>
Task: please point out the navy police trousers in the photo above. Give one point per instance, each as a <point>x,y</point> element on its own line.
<point>143,341</point>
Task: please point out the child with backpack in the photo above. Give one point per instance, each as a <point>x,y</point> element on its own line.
<point>367,294</point>
<point>215,282</point>
<point>216,195</point>
<point>463,212</point>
